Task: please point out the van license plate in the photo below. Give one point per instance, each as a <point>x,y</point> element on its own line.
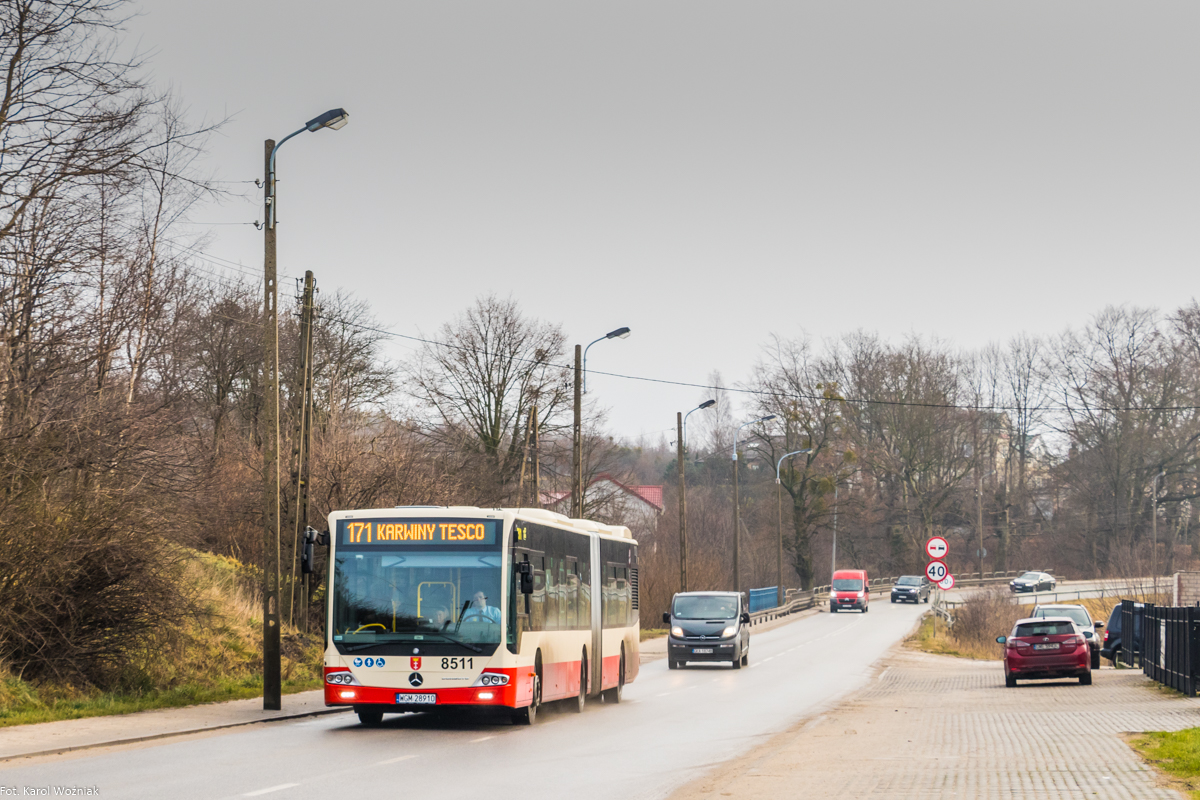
<point>422,698</point>
<point>702,650</point>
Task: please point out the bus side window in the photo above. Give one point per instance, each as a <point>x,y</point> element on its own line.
<point>537,600</point>
<point>585,595</point>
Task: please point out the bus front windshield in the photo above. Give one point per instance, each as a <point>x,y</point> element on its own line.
<point>383,597</point>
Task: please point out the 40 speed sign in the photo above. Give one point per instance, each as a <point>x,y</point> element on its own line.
<point>936,571</point>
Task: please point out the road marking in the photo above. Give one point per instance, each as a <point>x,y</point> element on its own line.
<point>885,672</point>
<point>664,694</point>
<point>481,739</point>
<point>394,760</point>
<point>270,789</point>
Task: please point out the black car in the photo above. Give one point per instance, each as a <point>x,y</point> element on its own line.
<point>708,626</point>
<point>911,589</point>
<point>1111,648</point>
<point>1033,582</point>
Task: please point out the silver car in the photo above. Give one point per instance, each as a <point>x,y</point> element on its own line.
<point>1082,619</point>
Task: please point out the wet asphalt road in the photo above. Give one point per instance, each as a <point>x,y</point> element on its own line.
<point>671,727</point>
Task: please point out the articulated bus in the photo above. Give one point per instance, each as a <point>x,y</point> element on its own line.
<point>438,608</point>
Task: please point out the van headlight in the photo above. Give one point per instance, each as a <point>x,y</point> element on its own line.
<point>677,632</point>
<point>832,595</point>
<point>860,595</point>
<point>730,630</point>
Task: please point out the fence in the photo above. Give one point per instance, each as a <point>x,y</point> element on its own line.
<point>1166,640</point>
<point>763,599</point>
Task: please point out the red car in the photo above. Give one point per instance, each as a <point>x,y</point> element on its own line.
<point>1050,647</point>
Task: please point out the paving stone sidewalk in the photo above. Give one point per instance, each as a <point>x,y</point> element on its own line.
<point>934,727</point>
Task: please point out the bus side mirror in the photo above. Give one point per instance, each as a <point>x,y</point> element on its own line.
<point>525,570</point>
<point>306,551</point>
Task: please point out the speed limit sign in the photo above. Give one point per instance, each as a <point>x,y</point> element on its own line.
<point>937,548</point>
<point>936,571</point>
<point>946,583</point>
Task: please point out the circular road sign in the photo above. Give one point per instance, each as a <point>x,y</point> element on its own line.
<point>937,548</point>
<point>946,583</point>
<point>936,571</point>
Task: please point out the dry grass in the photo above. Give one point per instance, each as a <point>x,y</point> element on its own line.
<point>215,656</point>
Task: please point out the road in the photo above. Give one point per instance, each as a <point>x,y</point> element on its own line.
<point>673,725</point>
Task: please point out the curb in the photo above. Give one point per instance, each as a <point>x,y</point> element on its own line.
<point>169,734</point>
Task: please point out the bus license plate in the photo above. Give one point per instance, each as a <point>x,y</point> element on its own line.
<point>1046,646</point>
<point>702,650</point>
<point>419,698</point>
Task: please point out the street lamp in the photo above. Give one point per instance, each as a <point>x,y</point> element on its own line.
<point>779,502</point>
<point>272,686</point>
<point>577,432</point>
<point>737,520</point>
<point>681,439</point>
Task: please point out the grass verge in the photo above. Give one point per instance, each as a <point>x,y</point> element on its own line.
<point>217,656</point>
<point>1176,754</point>
<point>652,633</point>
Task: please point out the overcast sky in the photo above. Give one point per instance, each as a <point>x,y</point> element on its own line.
<point>707,173</point>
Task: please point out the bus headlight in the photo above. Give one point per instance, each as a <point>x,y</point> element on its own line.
<point>341,678</point>
<point>491,679</point>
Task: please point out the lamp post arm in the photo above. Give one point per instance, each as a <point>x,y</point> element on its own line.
<point>779,464</point>
<point>601,339</point>
<point>270,189</point>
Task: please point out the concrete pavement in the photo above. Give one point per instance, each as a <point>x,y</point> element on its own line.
<point>934,727</point>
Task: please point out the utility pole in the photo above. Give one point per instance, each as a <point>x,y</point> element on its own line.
<point>682,504</point>
<point>979,516</point>
<point>577,441</point>
<point>272,685</point>
<point>524,461</point>
<point>537,470</point>
<point>300,450</point>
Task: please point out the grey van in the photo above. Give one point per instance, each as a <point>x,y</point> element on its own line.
<point>708,626</point>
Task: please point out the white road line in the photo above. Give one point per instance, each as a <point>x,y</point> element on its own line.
<point>270,789</point>
<point>885,672</point>
<point>394,760</point>
<point>481,739</point>
<point>664,694</point>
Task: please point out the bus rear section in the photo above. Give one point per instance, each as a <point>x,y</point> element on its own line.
<point>427,612</point>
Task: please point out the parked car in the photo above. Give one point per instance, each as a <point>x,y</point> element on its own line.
<point>1033,582</point>
<point>911,588</point>
<point>1113,642</point>
<point>1082,619</point>
<point>1052,647</point>
<point>708,626</point>
<point>849,589</point>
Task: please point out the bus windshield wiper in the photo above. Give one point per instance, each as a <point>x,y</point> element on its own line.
<point>350,648</point>
<point>458,641</point>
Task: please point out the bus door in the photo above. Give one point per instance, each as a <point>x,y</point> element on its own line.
<point>597,576</point>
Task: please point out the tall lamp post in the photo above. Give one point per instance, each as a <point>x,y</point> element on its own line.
<point>272,686</point>
<point>1154,535</point>
<point>681,440</point>
<point>577,432</point>
<point>779,502</point>
<point>737,520</point>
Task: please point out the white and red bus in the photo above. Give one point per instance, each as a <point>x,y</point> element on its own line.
<point>457,607</point>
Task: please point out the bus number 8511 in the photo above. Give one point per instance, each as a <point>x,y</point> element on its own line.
<point>458,663</point>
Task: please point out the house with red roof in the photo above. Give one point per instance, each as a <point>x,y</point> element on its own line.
<point>608,500</point>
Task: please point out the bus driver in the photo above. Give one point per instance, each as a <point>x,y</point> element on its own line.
<point>479,610</point>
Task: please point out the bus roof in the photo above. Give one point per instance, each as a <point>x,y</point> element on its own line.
<point>531,514</point>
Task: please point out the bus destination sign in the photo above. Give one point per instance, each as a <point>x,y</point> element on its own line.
<point>403,532</point>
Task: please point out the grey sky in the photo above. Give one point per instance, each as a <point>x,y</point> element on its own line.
<point>709,173</point>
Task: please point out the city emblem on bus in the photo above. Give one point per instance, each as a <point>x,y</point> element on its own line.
<point>415,679</point>
<point>414,663</point>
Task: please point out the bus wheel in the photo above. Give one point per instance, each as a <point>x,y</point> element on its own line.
<point>369,716</point>
<point>528,715</point>
<point>613,695</point>
<point>581,701</point>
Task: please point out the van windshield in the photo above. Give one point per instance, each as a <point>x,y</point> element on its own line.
<point>705,607</point>
<point>847,584</point>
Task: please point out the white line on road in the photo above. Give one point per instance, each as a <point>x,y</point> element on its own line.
<point>394,760</point>
<point>885,672</point>
<point>270,789</point>
<point>481,739</point>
